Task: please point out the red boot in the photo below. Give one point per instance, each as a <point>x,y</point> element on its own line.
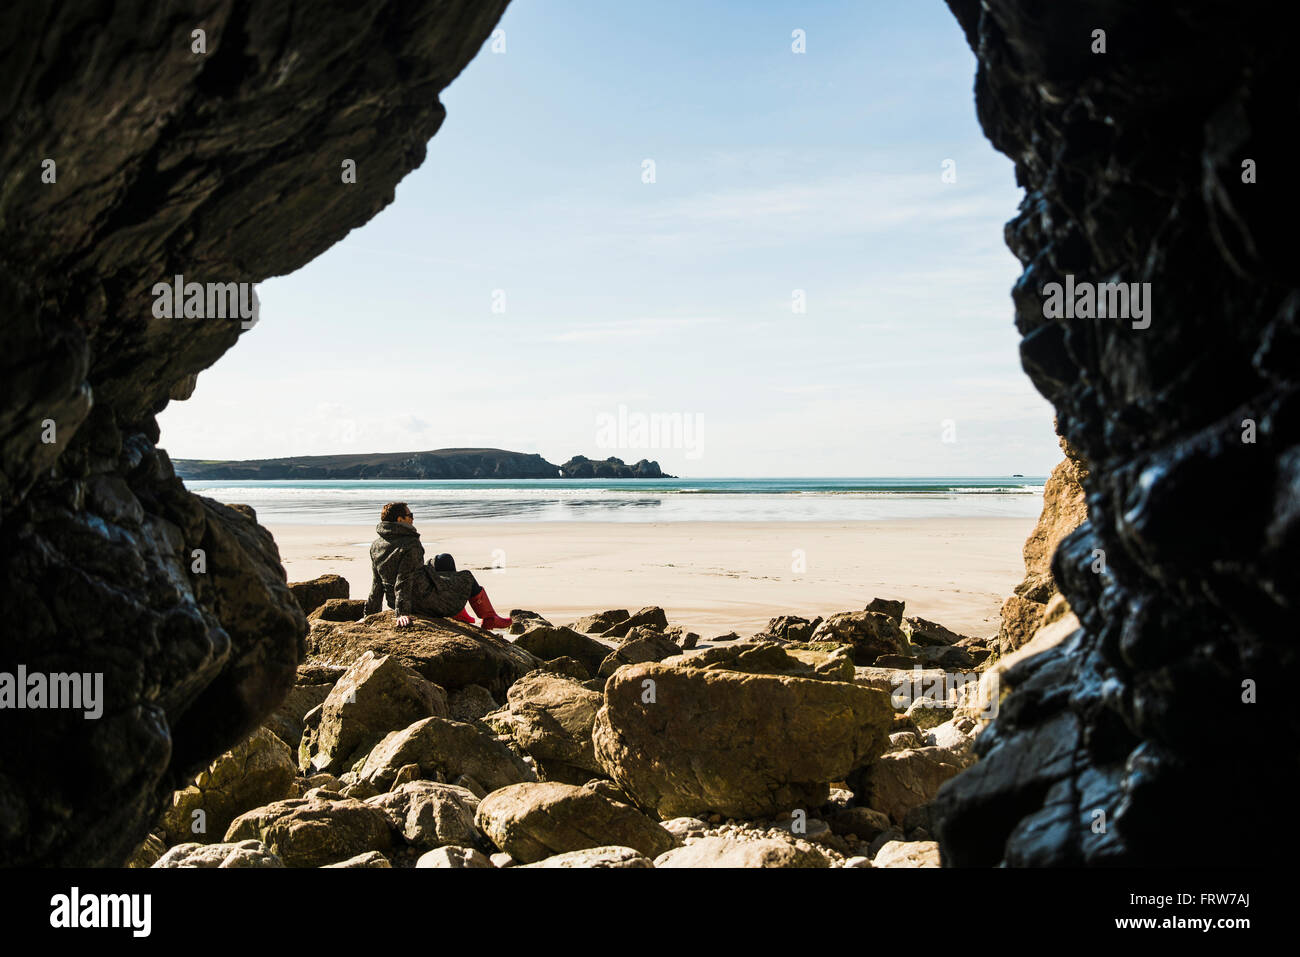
<point>464,616</point>
<point>483,608</point>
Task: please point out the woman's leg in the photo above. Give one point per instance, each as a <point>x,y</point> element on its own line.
<point>445,563</point>
<point>483,608</point>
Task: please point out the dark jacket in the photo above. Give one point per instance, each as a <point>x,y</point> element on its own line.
<point>412,587</point>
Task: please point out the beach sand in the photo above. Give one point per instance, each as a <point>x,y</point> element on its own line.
<point>709,577</point>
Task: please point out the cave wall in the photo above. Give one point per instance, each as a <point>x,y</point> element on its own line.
<point>1156,730</point>
<point>222,166</point>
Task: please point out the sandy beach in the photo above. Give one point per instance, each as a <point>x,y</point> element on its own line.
<point>710,577</point>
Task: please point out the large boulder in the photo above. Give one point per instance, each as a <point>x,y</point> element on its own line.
<point>453,857</point>
<point>652,617</point>
<point>378,694</point>
<point>430,815</point>
<point>641,648</point>
<point>901,780</point>
<point>907,854</point>
<point>829,662</point>
<point>601,621</point>
<point>599,858</point>
<point>448,653</point>
<point>340,609</point>
<point>685,741</point>
<point>551,718</point>
<point>534,821</point>
<point>311,687</point>
<point>254,772</point>
<point>548,642</point>
<point>443,750</point>
<point>237,854</point>
<point>312,832</point>
<point>312,594</point>
<point>869,633</point>
<point>739,852</point>
<point>922,631</point>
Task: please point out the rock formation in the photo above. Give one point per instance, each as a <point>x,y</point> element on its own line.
<point>1139,165</point>
<point>135,153</point>
<point>1064,509</point>
<point>581,467</point>
<point>436,464</point>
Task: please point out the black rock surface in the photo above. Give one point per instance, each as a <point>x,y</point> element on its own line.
<point>1132,742</point>
<point>224,166</point>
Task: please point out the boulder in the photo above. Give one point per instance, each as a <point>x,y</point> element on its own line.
<point>926,714</point>
<point>534,821</point>
<point>907,854</point>
<point>454,857</point>
<point>653,616</point>
<point>255,772</point>
<point>650,647</point>
<point>739,852</point>
<point>601,621</point>
<point>340,609</point>
<point>790,628</point>
<point>903,685</point>
<point>683,827</point>
<point>567,667</point>
<point>236,854</point>
<point>742,745</point>
<point>311,687</point>
<point>444,749</point>
<point>430,815</point>
<point>377,695</point>
<point>901,780</point>
<point>449,653</point>
<point>547,642</point>
<point>597,857</point>
<point>551,718</point>
<point>307,832</point>
<point>521,619</point>
<point>884,606</point>
<point>470,703</point>
<point>920,631</point>
<point>683,639</point>
<point>864,822</point>
<point>312,594</point>
<point>870,634</point>
<point>827,662</point>
<point>368,859</point>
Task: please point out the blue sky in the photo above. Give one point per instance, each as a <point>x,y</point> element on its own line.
<point>774,172</point>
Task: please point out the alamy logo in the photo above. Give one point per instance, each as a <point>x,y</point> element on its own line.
<point>1092,300</point>
<point>654,430</point>
<point>74,909</point>
<point>179,299</point>
<point>37,690</point>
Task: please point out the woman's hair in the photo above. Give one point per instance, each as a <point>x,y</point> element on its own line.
<point>393,511</point>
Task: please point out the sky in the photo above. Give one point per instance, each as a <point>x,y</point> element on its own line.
<point>797,292</point>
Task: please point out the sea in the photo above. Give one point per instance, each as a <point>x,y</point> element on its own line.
<point>357,502</point>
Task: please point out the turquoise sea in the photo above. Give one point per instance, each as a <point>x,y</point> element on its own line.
<point>640,500</point>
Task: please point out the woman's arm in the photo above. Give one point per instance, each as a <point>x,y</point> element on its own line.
<point>410,565</point>
<point>376,600</point>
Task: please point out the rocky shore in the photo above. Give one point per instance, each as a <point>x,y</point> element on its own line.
<point>617,740</point>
